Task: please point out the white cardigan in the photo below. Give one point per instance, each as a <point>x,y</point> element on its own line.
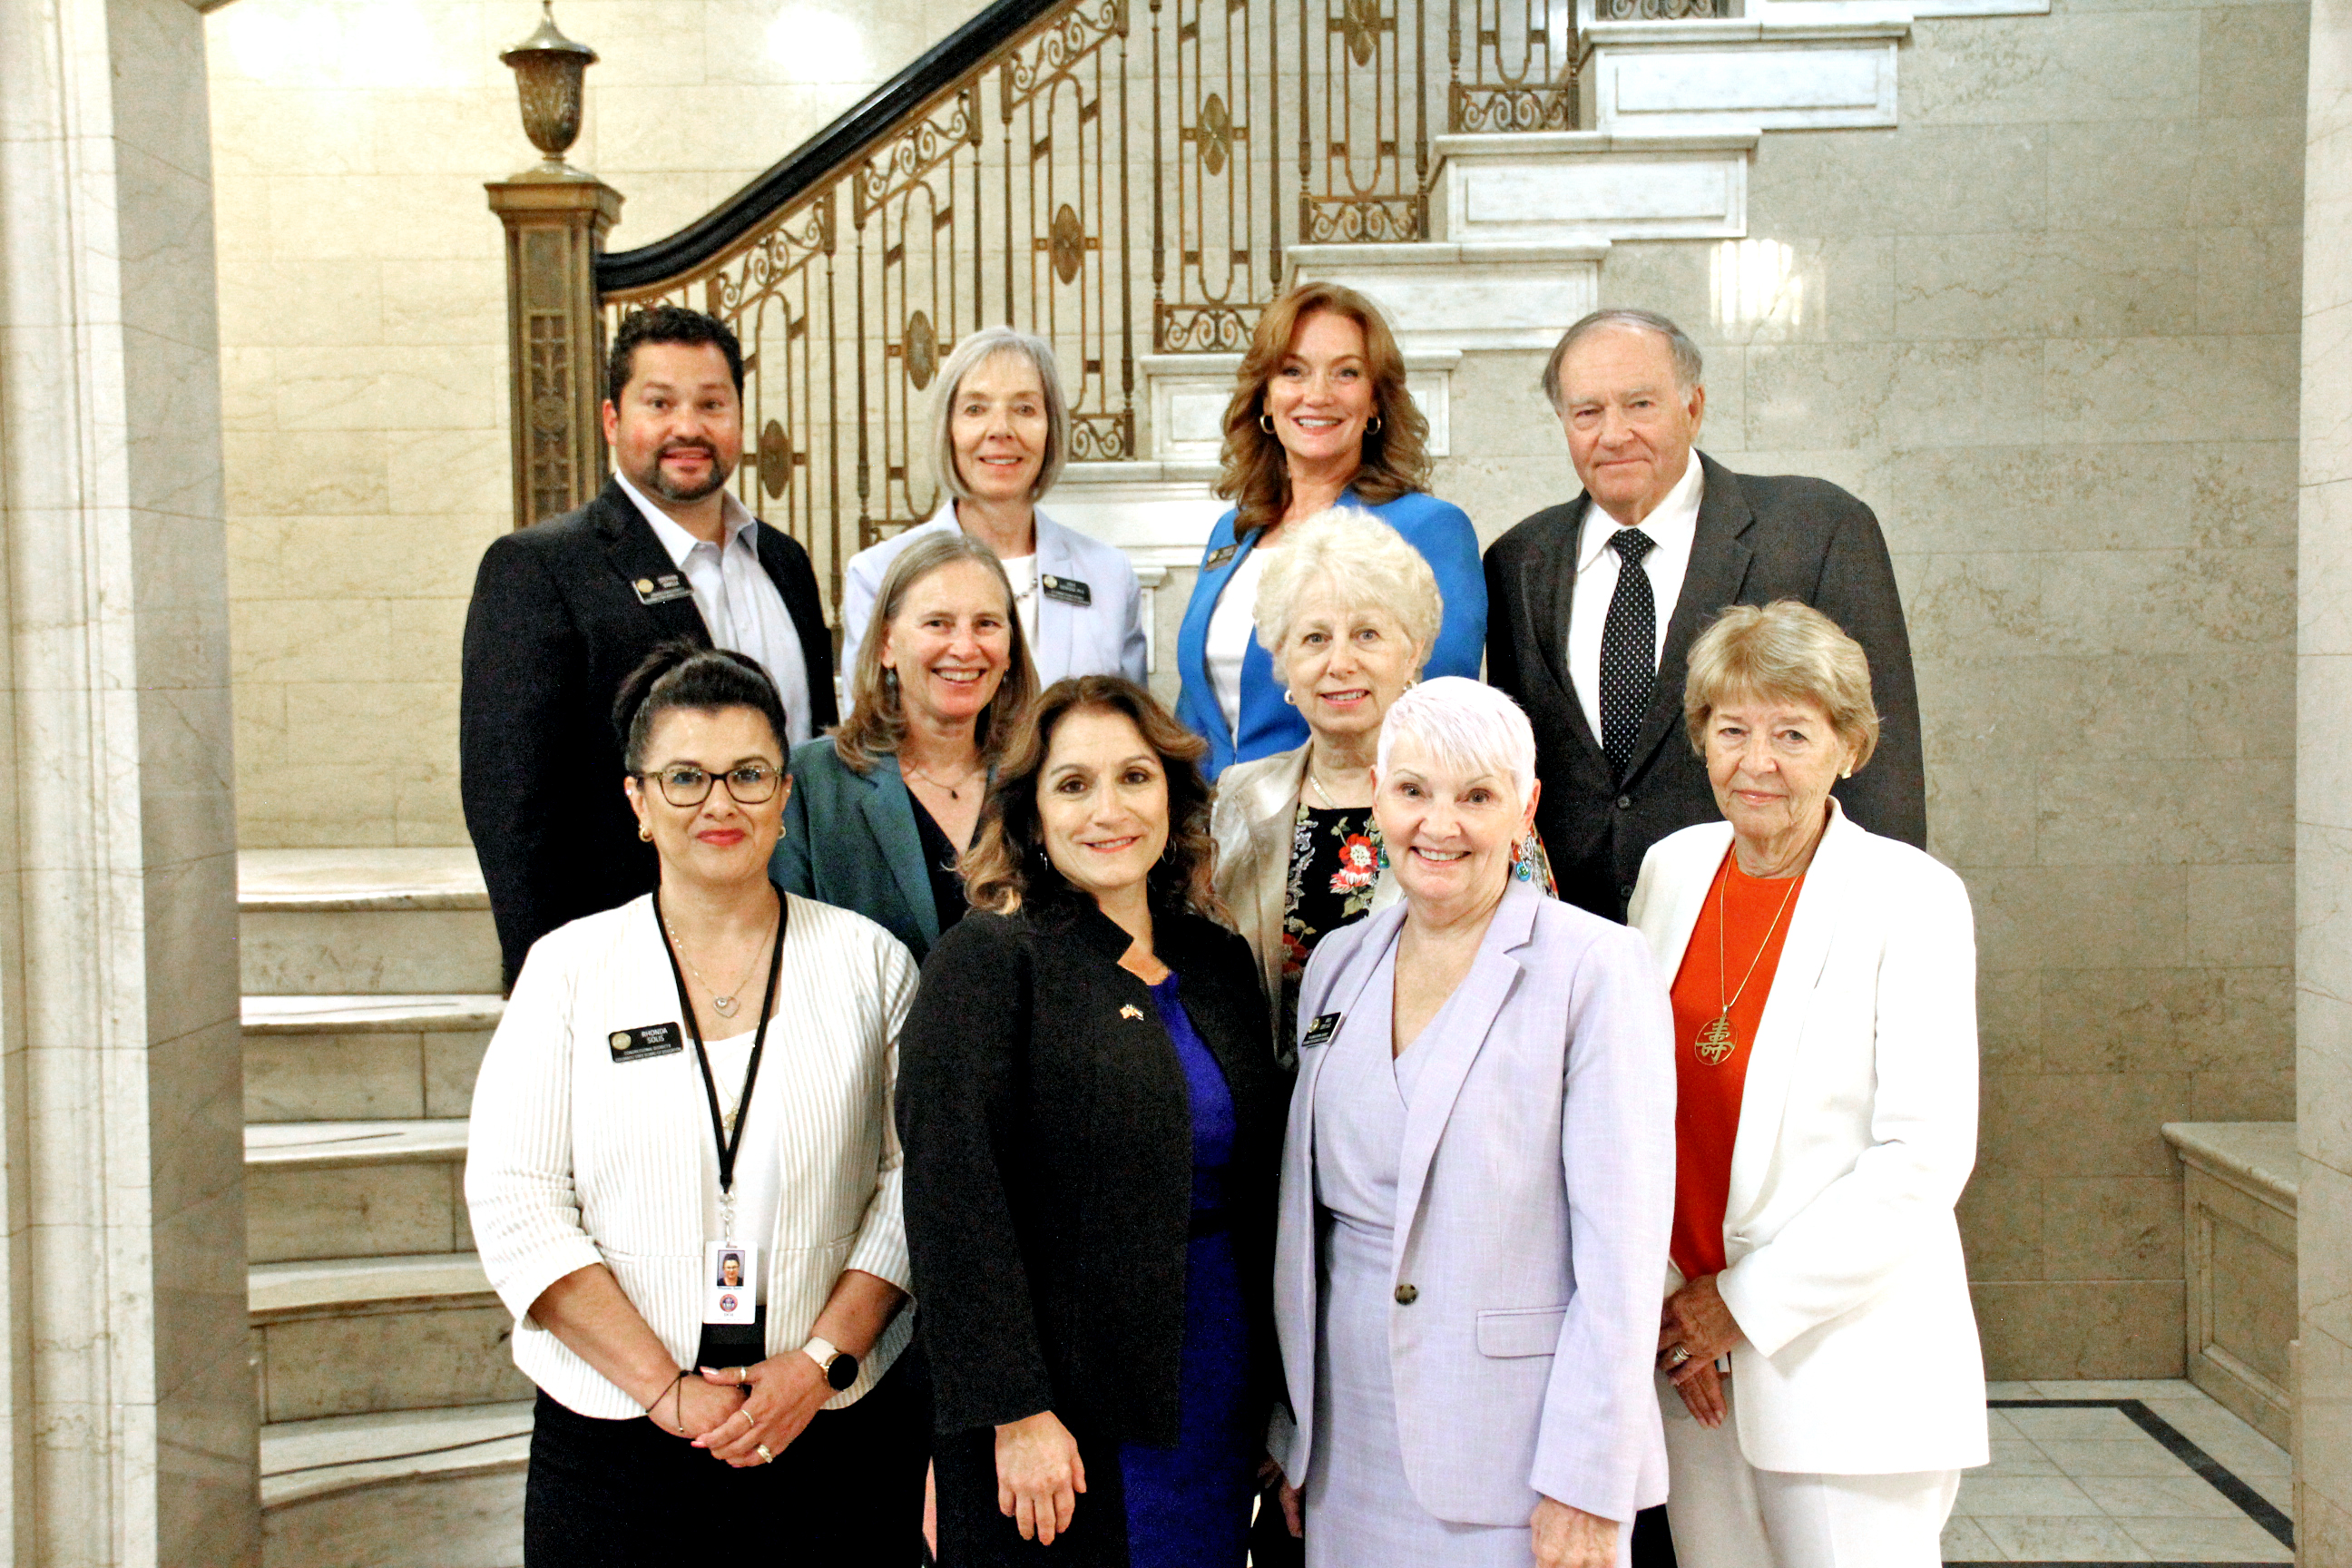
<point>577,1159</point>
<point>1857,1132</point>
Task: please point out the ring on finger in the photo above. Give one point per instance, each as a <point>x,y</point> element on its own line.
<point>765,1456</point>
<point>1676,1355</point>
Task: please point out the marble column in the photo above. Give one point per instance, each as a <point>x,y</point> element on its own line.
<point>127,1421</point>
<point>2324,809</point>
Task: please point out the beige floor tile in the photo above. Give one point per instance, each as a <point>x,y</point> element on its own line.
<point>1966,1541</point>
<point>2021,1456</point>
<point>2248,1456</point>
<point>2111,1425</point>
<point>2276,1490</point>
<point>2022,1497</point>
<point>2238,1539</point>
<point>2115,1388</point>
<point>2010,1390</point>
<point>2141,1454</point>
<point>2057,1540</point>
<point>2183,1496</point>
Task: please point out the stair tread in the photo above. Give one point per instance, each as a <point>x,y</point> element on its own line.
<point>289,1288</point>
<point>372,1015</point>
<point>330,1145</point>
<point>307,1459</point>
<point>351,879</point>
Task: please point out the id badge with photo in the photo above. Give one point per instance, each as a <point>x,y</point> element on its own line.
<point>731,1275</point>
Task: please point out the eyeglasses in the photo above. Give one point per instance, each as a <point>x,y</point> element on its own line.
<point>751,784</point>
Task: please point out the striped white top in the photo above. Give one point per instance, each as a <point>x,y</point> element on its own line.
<point>578,1159</point>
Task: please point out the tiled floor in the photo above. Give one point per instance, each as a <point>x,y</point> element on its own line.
<point>2091,1485</point>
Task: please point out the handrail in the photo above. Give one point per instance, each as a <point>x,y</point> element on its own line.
<point>872,119</point>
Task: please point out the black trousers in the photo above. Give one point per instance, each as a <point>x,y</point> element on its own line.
<point>627,1494</point>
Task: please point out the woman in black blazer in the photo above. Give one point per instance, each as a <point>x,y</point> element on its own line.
<point>1091,1123</point>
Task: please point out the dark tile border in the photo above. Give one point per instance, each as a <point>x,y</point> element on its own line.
<point>2250,1503</point>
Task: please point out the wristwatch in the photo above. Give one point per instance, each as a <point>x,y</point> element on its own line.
<point>840,1368</point>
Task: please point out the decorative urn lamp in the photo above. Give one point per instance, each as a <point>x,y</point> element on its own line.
<point>550,72</point>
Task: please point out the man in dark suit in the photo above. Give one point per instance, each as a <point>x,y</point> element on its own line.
<point>564,611</point>
<point>1593,606</point>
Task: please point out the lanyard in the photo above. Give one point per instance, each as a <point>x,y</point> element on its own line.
<point>729,1145</point>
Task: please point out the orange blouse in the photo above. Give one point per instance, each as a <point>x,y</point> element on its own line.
<point>1742,920</point>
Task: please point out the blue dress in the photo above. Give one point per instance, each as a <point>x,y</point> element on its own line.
<point>1189,1506</point>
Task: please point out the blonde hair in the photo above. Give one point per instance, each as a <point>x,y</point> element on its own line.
<point>1788,650</point>
<point>1257,475</point>
<point>1365,561</point>
<point>977,348</point>
<point>877,725</point>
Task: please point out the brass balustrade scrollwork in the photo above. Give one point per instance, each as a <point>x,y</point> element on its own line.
<point>1088,172</point>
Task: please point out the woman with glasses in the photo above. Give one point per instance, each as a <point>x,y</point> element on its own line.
<point>882,808</point>
<point>685,1181</point>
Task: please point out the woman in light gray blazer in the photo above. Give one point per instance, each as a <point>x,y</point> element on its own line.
<point>999,434</point>
<point>1347,610</point>
<point>1476,1185</point>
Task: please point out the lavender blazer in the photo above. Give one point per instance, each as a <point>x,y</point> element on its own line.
<point>1536,1184</point>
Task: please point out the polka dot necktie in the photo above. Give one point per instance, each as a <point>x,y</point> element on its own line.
<point>1629,649</point>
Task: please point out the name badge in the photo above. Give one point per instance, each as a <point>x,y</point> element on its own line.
<point>645,1042</point>
<point>1218,557</point>
<point>661,590</point>
<point>1321,1031</point>
<point>1069,590</point>
<point>730,1289</point>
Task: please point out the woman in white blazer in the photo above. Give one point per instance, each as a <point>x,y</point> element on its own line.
<point>1825,1054</point>
<point>1348,611</point>
<point>685,1181</point>
<point>999,436</point>
<point>1475,1187</point>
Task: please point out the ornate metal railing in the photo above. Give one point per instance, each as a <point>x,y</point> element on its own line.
<point>1120,176</point>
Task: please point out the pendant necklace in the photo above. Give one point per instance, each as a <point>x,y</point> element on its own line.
<point>1714,1042</point>
<point>724,1005</point>
<point>955,791</point>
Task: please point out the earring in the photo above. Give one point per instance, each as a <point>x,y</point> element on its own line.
<point>1286,697</point>
<point>1373,428</point>
<point>1265,423</point>
<point>645,832</point>
<point>889,678</point>
<point>1523,859</point>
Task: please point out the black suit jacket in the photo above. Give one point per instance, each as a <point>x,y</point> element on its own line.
<point>554,627</point>
<point>1049,1145</point>
<point>1758,540</point>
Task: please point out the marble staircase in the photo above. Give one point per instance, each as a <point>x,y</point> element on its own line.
<point>396,1427</point>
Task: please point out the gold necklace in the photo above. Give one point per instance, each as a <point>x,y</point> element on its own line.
<point>1714,1042</point>
<point>725,1006</point>
<point>954,790</point>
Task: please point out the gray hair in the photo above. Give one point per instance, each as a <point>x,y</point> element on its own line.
<point>1690,368</point>
<point>1790,650</point>
<point>1365,561</point>
<point>1465,724</point>
<point>977,348</point>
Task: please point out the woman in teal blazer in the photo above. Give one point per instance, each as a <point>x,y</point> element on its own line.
<point>881,808</point>
<point>1321,418</point>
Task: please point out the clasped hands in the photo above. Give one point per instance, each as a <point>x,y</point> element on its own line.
<point>785,1392</point>
<point>1694,1319</point>
<point>1563,1536</point>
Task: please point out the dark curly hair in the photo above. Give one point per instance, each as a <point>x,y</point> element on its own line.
<point>668,325</point>
<point>682,674</point>
<point>1007,866</point>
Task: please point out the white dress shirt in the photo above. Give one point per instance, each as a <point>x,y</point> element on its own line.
<point>742,607</point>
<point>1233,627</point>
<point>1671,529</point>
<point>577,1158</point>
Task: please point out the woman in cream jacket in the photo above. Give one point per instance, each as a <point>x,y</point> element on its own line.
<point>1825,1053</point>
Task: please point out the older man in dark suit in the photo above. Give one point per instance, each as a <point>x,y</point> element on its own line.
<point>1593,606</point>
<point>564,611</point>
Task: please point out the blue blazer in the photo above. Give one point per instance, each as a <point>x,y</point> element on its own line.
<point>850,841</point>
<point>1439,530</point>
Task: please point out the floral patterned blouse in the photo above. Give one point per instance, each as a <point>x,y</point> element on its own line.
<point>1334,863</point>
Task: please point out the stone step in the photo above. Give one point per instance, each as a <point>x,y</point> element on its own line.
<point>438,1488</point>
<point>355,1189</point>
<point>317,1059</point>
<point>354,1336</point>
<point>316,922</point>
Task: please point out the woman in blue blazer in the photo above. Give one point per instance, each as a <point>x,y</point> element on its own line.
<point>882,808</point>
<point>1321,418</point>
